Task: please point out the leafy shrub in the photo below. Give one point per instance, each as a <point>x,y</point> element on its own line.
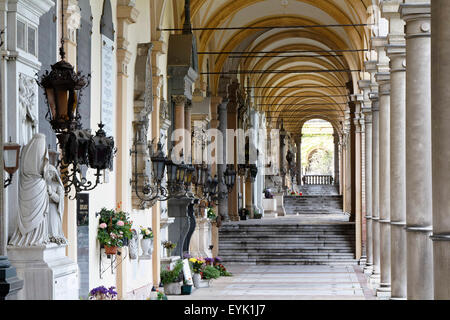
<point>172,276</point>
<point>210,273</point>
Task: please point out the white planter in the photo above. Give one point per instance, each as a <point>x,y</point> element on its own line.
<point>196,278</point>
<point>172,289</point>
<point>147,247</point>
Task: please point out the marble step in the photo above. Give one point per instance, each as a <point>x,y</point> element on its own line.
<point>265,250</point>
<point>281,244</point>
<point>329,262</point>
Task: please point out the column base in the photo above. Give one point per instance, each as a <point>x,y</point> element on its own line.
<point>363,261</point>
<point>398,299</point>
<point>374,280</point>
<point>368,269</point>
<point>384,291</point>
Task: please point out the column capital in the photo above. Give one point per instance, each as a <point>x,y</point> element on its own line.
<point>179,100</point>
<point>417,17</point>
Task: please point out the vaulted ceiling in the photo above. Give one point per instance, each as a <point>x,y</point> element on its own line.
<point>301,89</point>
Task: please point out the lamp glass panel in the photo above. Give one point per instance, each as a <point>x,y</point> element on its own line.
<point>10,157</point>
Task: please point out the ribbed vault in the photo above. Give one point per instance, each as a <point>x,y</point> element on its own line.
<point>302,88</point>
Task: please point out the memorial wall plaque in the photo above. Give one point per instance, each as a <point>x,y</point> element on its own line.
<point>108,85</point>
<point>83,209</point>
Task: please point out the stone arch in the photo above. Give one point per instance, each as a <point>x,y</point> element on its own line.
<point>106,22</point>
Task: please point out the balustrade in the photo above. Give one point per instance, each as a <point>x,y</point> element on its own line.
<point>318,180</point>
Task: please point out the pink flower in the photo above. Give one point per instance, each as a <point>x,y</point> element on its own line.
<point>120,223</point>
<point>103,226</point>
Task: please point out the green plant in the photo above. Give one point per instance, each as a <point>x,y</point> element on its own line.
<point>211,272</point>
<point>172,276</point>
<point>223,271</point>
<point>211,214</point>
<point>114,227</point>
<point>161,296</point>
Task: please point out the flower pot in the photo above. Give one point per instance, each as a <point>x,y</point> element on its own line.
<point>186,290</point>
<point>147,247</point>
<point>173,289</point>
<point>196,278</point>
<point>110,250</point>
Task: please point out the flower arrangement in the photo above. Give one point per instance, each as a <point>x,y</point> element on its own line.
<point>146,233</point>
<point>297,194</point>
<point>114,228</point>
<point>101,293</point>
<point>211,214</point>
<point>197,264</point>
<point>169,245</point>
<point>209,261</point>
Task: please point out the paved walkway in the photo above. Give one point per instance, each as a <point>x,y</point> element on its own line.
<point>287,283</point>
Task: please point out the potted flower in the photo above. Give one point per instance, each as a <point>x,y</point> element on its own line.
<point>146,241</point>
<point>101,293</point>
<point>243,213</point>
<point>171,279</point>
<point>169,246</point>
<point>114,229</point>
<point>197,266</point>
<point>211,214</point>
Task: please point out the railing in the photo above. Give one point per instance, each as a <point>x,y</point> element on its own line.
<point>318,180</point>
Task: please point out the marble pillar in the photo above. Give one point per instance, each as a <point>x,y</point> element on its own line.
<point>179,121</point>
<point>375,277</point>
<point>221,166</point>
<point>336,159</point>
<point>298,142</point>
<point>440,112</point>
<point>384,185</point>
<point>417,16</point>
<point>368,174</point>
<point>397,55</point>
<point>358,175</point>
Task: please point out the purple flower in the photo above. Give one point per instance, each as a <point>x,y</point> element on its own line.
<point>217,259</point>
<point>187,256</point>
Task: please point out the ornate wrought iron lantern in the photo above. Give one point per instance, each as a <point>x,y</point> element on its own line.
<point>63,91</point>
<point>11,153</point>
<point>230,178</point>
<point>253,170</point>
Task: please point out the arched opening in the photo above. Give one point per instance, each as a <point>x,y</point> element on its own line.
<point>318,153</point>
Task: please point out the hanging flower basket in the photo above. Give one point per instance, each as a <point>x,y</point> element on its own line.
<point>110,250</point>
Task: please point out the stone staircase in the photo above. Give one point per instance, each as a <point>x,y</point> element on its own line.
<point>319,190</point>
<point>327,204</point>
<point>278,243</point>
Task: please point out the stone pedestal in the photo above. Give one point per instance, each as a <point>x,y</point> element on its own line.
<point>270,208</point>
<point>279,197</point>
<point>47,273</point>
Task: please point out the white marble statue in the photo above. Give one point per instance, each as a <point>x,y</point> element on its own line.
<point>55,190</point>
<point>32,229</point>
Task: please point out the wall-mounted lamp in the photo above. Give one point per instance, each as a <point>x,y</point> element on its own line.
<point>11,154</point>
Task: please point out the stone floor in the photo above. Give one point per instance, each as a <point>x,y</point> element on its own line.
<point>287,283</point>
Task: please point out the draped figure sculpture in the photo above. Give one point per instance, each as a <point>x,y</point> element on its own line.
<point>32,229</point>
<point>55,190</point>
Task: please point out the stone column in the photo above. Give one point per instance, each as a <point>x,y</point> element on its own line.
<point>417,16</point>
<point>358,175</point>
<point>298,142</point>
<point>368,168</point>
<point>188,132</point>
<point>398,175</point>
<point>223,200</point>
<point>384,185</point>
<point>179,122</point>
<point>126,14</point>
<point>375,277</point>
<point>336,159</point>
<point>441,147</point>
